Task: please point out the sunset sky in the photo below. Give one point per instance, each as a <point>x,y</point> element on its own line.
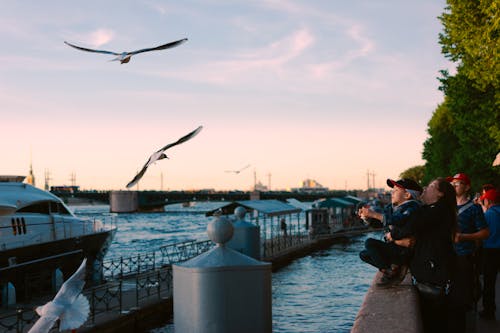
<point>326,90</point>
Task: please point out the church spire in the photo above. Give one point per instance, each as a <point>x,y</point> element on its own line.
<point>31,177</point>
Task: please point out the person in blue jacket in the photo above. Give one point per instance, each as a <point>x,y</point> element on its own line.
<point>389,257</point>
<point>490,201</point>
<point>472,229</point>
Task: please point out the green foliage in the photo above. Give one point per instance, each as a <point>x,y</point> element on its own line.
<point>440,147</point>
<point>464,131</point>
<point>416,173</point>
<point>471,37</point>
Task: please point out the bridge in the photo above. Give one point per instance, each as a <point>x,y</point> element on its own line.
<point>170,197</point>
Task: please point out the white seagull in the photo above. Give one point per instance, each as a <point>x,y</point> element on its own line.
<point>160,154</point>
<point>124,57</point>
<point>238,171</point>
<point>69,305</point>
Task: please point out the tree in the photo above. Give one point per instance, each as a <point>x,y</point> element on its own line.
<point>464,131</point>
<point>416,173</point>
<point>472,37</point>
<point>441,144</point>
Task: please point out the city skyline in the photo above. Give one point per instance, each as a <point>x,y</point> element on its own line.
<point>317,90</point>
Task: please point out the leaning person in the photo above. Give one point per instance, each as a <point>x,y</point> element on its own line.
<point>390,258</point>
<point>433,263</point>
<point>490,201</point>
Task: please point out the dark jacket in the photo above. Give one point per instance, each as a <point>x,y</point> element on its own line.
<point>433,260</point>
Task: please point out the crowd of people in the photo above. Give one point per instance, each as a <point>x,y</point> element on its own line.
<point>446,238</point>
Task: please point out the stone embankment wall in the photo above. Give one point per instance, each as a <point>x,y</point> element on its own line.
<point>389,309</point>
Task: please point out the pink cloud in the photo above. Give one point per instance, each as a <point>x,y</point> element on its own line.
<point>100,37</point>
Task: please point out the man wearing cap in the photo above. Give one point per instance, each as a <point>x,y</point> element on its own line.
<point>472,228</point>
<point>490,201</point>
<point>389,256</point>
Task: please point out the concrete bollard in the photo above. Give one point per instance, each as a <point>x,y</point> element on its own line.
<point>222,290</point>
<point>246,236</point>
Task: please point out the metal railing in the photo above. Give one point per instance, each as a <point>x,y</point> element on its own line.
<point>121,267</point>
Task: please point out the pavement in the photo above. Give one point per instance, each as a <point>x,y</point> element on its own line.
<point>489,326</point>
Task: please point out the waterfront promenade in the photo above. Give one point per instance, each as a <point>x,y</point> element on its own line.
<point>144,301</point>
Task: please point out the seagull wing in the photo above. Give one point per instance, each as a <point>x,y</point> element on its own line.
<point>76,314</point>
<point>91,50</point>
<point>246,166</point>
<point>72,287</point>
<point>161,47</point>
<point>181,140</point>
<point>43,324</point>
<point>138,176</point>
<point>154,157</point>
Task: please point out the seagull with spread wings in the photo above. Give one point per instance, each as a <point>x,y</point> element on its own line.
<point>124,57</point>
<point>69,305</point>
<point>160,154</point>
<point>239,170</point>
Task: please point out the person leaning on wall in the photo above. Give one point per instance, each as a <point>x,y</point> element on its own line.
<point>433,264</point>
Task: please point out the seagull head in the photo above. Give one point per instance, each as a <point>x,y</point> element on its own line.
<point>162,156</point>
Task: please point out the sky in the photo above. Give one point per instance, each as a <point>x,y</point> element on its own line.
<point>323,90</point>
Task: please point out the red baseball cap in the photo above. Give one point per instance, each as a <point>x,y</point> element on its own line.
<point>459,176</point>
<point>491,195</point>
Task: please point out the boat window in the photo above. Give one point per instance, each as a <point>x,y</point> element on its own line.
<point>40,207</point>
<point>58,208</point>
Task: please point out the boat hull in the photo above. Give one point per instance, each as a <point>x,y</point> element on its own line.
<point>31,269</point>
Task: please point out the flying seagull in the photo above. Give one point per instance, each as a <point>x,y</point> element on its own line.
<point>238,171</point>
<point>124,57</point>
<point>69,305</point>
<point>159,155</point>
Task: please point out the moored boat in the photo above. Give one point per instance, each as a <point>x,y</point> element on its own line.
<point>42,241</point>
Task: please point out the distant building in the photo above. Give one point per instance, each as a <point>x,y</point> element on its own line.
<point>261,187</point>
<point>310,186</point>
<point>30,179</point>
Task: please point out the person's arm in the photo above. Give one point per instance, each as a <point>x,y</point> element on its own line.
<point>476,236</point>
<point>365,213</point>
<point>481,225</point>
<point>405,242</point>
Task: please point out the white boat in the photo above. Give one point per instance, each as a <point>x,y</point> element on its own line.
<point>41,239</point>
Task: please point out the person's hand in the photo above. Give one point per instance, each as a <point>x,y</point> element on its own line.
<point>388,237</point>
<point>405,242</point>
<point>458,237</point>
<point>364,213</point>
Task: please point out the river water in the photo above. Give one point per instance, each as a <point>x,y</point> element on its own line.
<point>320,293</point>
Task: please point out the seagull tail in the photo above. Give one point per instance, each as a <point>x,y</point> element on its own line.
<point>76,314</point>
